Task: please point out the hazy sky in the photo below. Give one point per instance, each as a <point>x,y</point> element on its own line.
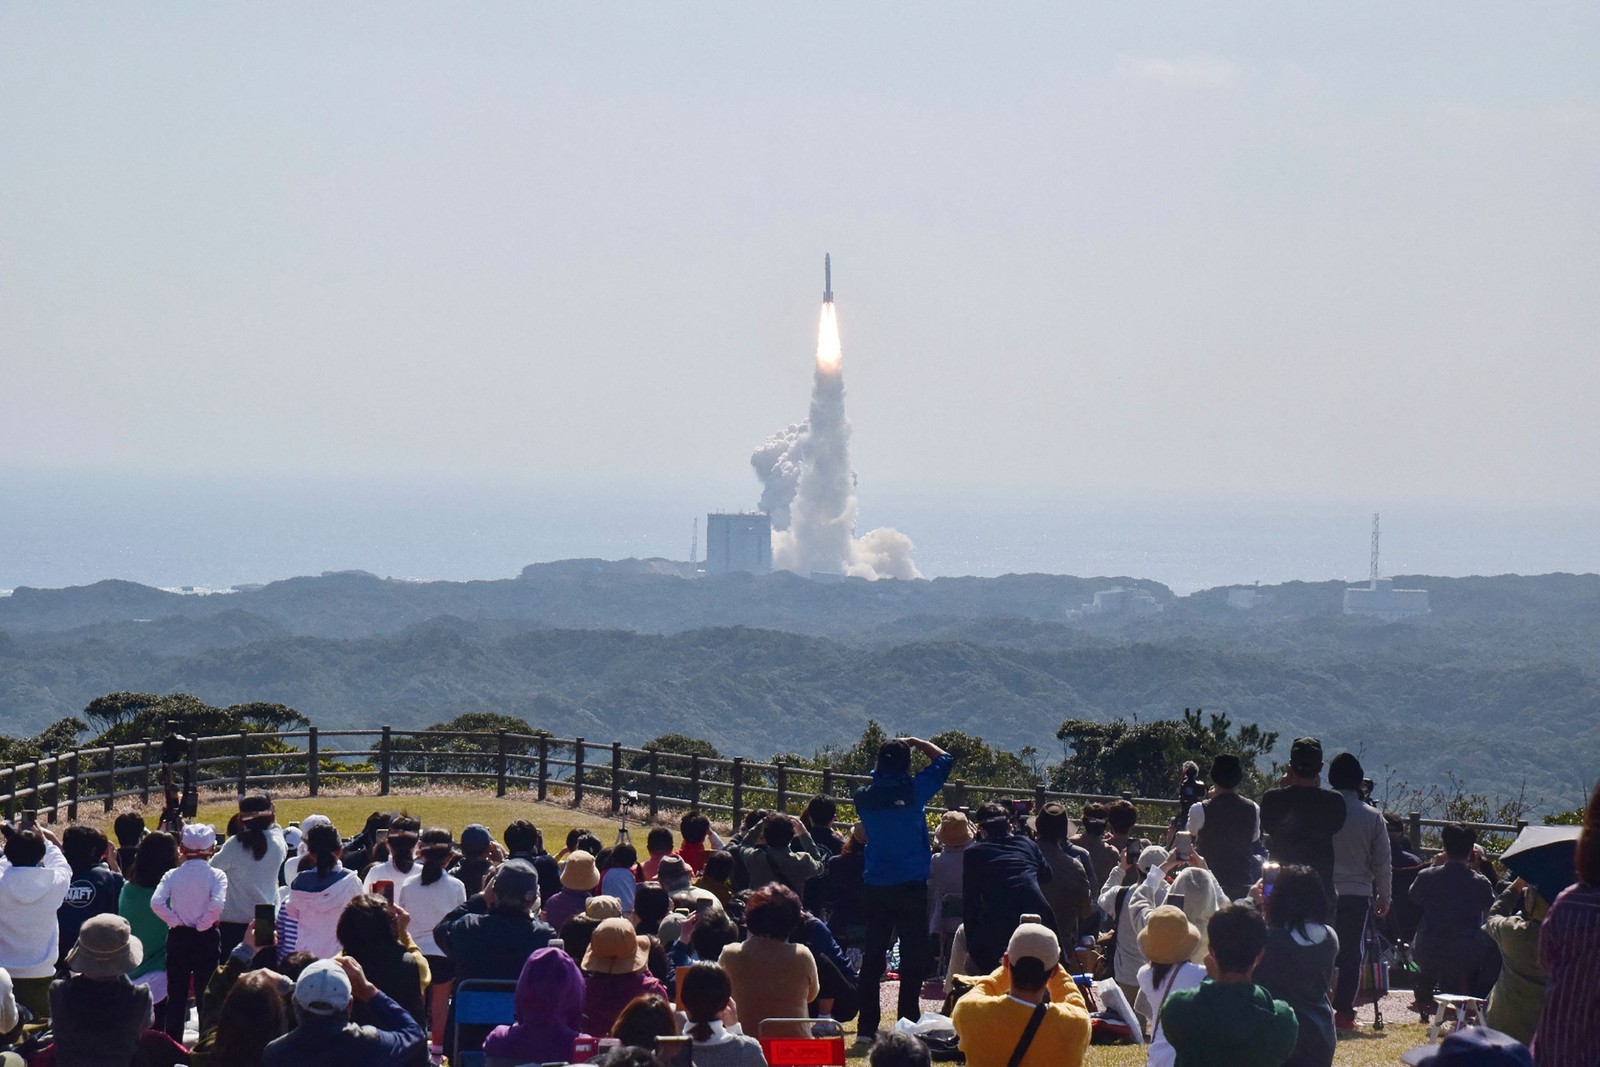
<point>1335,252</point>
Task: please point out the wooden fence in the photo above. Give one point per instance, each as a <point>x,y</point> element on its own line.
<point>549,768</point>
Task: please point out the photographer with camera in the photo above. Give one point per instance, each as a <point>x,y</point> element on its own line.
<point>785,853</point>
<point>1000,884</point>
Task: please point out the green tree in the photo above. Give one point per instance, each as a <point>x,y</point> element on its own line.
<point>1146,758</point>
<point>477,754</point>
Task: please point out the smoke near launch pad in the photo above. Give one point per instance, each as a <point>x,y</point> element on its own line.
<point>809,488</point>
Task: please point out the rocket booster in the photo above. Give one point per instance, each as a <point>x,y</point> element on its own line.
<point>827,278</point>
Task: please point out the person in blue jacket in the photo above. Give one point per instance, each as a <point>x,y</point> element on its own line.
<point>894,895</point>
<point>324,1036</point>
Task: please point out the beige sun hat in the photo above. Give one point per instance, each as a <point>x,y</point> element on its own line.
<point>954,829</point>
<point>106,948</point>
<point>579,871</point>
<point>616,948</point>
<point>1168,936</point>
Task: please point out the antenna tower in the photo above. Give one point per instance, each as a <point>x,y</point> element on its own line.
<point>694,542</point>
<point>1374,578</point>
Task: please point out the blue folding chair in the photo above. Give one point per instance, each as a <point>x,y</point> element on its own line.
<point>480,1002</point>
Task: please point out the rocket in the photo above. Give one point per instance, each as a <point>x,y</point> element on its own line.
<point>827,278</point>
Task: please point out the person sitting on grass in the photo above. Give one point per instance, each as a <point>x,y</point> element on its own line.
<point>658,845</point>
<point>549,1006</point>
<point>1453,953</point>
<point>1297,966</point>
<point>1024,1026</point>
<point>708,1004</point>
<point>1229,1021</point>
<point>324,1036</point>
<point>644,1021</point>
<point>717,876</point>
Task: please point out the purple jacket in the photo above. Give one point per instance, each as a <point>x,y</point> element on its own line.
<point>608,994</point>
<point>550,999</point>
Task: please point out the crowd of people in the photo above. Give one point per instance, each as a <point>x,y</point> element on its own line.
<point>1237,937</point>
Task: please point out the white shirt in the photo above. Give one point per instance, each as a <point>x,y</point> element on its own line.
<point>387,872</point>
<point>427,904</point>
<point>1197,819</point>
<point>191,894</point>
<point>1183,976</point>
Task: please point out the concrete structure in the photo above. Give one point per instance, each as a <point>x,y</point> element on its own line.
<point>738,542</point>
<point>1120,601</point>
<point>1380,599</point>
<point>1245,598</point>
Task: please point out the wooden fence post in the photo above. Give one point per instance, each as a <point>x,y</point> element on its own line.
<point>244,763</point>
<point>616,777</point>
<point>55,791</point>
<point>111,777</point>
<point>957,794</point>
<point>33,786</point>
<point>383,762</point>
<point>144,773</point>
<point>1414,828</point>
<point>655,782</point>
<point>827,781</point>
<point>781,799</point>
<point>72,787</point>
<point>11,794</point>
<point>1038,799</point>
<point>694,780</point>
<point>738,792</point>
<point>544,766</point>
<point>500,764</point>
<point>313,761</point>
<point>577,772</point>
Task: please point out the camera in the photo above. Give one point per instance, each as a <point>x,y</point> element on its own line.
<point>175,746</point>
<point>630,797</point>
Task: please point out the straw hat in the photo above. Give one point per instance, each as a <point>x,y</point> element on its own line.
<point>602,908</point>
<point>616,948</point>
<point>106,948</point>
<point>954,829</point>
<point>579,872</point>
<point>1168,936</point>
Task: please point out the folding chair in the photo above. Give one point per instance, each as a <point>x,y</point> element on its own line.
<point>813,1051</point>
<point>478,1003</point>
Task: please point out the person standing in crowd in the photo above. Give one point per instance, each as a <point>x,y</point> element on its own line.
<point>1169,941</point>
<point>1297,965</point>
<point>251,859</point>
<point>129,829</point>
<point>1138,886</point>
<point>894,898</point>
<point>817,820</point>
<point>1191,791</point>
<point>33,883</point>
<point>1569,950</point>
<point>1453,953</point>
<point>189,900</point>
<point>698,840</point>
<point>309,918</point>
<point>1225,827</point>
<point>954,835</point>
<point>1404,864</point>
<point>97,1014</point>
<point>838,891</point>
<point>1518,994</point>
<point>1091,837</point>
<point>432,893</point>
<point>1067,888</point>
<point>1121,818</point>
<point>325,1036</point>
<point>1023,1027</point>
<point>707,995</point>
<point>1300,817</point>
<point>156,855</point>
<point>1363,878</point>
<point>402,845</point>
<point>95,887</point>
<point>1229,1020</point>
<point>999,885</point>
<point>549,1002</point>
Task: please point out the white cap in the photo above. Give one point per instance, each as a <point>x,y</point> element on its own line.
<point>199,836</point>
<point>307,824</point>
<point>323,989</point>
<point>291,837</point>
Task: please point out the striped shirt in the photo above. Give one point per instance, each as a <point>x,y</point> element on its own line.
<point>1569,951</point>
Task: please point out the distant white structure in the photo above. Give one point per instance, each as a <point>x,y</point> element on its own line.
<point>1244,598</point>
<point>1120,601</point>
<point>1379,598</point>
<point>738,542</point>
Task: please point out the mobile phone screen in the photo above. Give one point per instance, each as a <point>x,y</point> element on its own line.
<point>266,925</point>
<point>384,888</point>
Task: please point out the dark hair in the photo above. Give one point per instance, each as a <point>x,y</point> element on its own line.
<point>1029,974</point>
<point>25,848</point>
<point>705,992</point>
<point>623,856</point>
<point>894,757</point>
<point>1299,900</point>
<point>1227,771</point>
<point>1344,772</point>
<point>296,962</point>
<point>646,1018</point>
<point>1094,819</point>
<point>1458,841</point>
<point>1238,933</point>
<point>1394,823</point>
<point>522,837</point>
<point>324,844</point>
<point>651,903</point>
<point>368,929</point>
<point>576,933</point>
<point>821,810</point>
<point>255,819</point>
<point>573,835</point>
<point>1121,816</point>
<point>993,819</point>
<point>755,818</point>
<point>157,854</point>
<point>378,820</point>
<point>898,1049</point>
<point>252,1014</point>
<point>402,841</point>
<point>778,831</point>
<point>1587,861</point>
<point>83,847</point>
<point>772,911</point>
<point>129,829</point>
<point>436,848</point>
<point>719,866</point>
<point>714,932</point>
<point>694,828</point>
<point>658,840</point>
<point>588,842</point>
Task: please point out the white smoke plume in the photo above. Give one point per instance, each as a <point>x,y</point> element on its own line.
<point>809,489</point>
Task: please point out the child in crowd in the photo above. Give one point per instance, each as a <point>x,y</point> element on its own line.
<point>718,877</point>
<point>189,899</point>
<point>619,877</point>
<point>658,843</point>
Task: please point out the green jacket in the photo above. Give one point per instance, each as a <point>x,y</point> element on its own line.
<point>1228,1025</point>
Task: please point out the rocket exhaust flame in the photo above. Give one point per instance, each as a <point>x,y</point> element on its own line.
<point>809,488</point>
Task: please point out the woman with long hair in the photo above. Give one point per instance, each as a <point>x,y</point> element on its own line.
<point>645,1019</point>
<point>431,893</point>
<point>309,918</point>
<point>157,853</point>
<point>255,1011</point>
<point>1168,941</point>
<point>708,1004</point>
<point>1569,950</point>
<point>251,859</point>
<point>1297,965</point>
<point>402,861</point>
<point>372,932</point>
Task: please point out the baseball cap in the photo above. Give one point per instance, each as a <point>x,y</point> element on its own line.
<point>1152,857</point>
<point>1305,753</point>
<point>475,837</point>
<point>199,836</point>
<point>1032,940</point>
<point>1476,1046</point>
<point>516,880</point>
<point>323,989</point>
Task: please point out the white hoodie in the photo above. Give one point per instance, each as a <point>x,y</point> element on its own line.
<point>30,939</point>
<point>309,920</point>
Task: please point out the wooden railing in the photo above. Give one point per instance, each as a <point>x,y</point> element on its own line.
<point>547,767</point>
